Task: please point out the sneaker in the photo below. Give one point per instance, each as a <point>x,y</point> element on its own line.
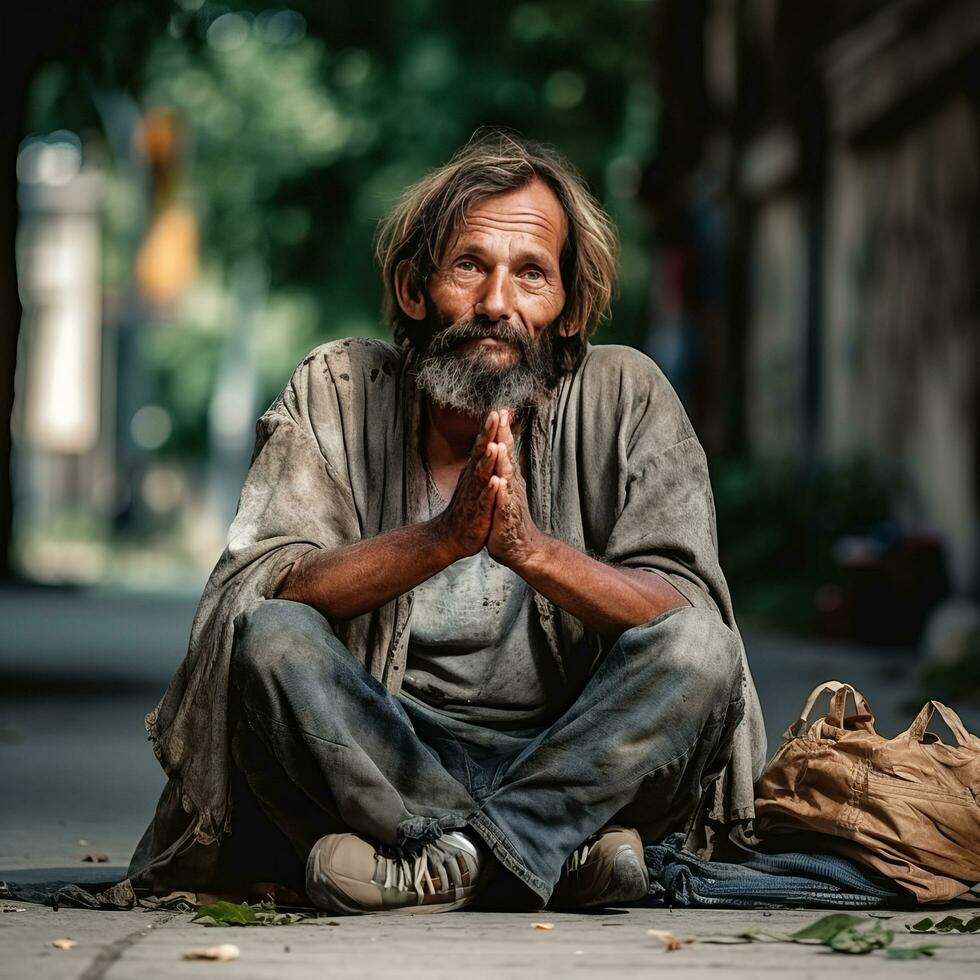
<point>346,873</point>
<point>609,868</point>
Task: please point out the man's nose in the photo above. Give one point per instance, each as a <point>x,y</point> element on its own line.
<point>496,301</point>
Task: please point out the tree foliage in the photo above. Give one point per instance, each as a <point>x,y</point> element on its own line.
<point>303,123</point>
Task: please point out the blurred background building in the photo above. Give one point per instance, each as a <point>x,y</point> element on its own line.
<point>193,187</point>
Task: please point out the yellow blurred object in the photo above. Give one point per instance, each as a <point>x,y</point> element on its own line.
<point>167,259</point>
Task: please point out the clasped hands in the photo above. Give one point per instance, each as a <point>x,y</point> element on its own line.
<point>489,505</point>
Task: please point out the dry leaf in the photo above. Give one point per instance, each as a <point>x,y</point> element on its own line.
<point>63,943</point>
<point>543,925</point>
<point>226,951</point>
<point>669,941</point>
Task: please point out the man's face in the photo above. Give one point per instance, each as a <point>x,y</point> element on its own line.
<point>492,303</point>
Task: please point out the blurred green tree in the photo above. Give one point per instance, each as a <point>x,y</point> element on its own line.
<point>303,123</point>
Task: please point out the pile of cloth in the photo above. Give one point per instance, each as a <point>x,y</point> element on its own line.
<point>766,881</point>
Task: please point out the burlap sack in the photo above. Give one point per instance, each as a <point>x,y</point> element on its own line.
<point>908,807</point>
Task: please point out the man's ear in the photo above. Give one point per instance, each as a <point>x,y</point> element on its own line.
<point>409,297</point>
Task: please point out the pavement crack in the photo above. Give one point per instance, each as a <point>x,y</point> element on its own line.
<point>108,955</point>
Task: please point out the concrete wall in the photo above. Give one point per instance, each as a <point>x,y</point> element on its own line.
<point>901,338</point>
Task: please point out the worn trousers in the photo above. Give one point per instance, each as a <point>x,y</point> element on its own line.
<point>320,746</point>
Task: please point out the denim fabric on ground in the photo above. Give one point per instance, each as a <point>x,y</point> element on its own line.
<point>765,881</point>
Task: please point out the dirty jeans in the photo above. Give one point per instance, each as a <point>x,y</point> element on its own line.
<point>323,747</point>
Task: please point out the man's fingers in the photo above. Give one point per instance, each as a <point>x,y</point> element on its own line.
<point>504,432</point>
<point>487,434</point>
<point>505,462</point>
<point>486,463</point>
<point>489,492</point>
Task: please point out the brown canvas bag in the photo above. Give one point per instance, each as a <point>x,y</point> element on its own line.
<point>908,807</point>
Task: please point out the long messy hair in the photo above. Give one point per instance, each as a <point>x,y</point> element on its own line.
<point>424,221</point>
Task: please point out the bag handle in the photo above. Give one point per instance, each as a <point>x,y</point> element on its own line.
<point>918,727</point>
<point>835,715</point>
<point>838,703</point>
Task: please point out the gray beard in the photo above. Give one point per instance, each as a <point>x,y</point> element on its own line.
<point>472,385</point>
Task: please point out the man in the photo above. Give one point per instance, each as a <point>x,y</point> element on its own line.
<point>469,640</point>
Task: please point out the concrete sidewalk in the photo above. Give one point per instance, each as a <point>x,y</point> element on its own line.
<point>77,778</point>
<point>610,943</point>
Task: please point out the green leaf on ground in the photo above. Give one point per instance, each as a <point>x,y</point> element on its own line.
<point>823,930</point>
<point>840,931</point>
<point>951,923</point>
<point>861,941</point>
<point>911,952</point>
<point>229,914</point>
<point>225,914</point>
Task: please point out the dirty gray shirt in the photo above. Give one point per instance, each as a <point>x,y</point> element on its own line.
<point>476,650</point>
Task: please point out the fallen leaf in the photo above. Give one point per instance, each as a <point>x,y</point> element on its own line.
<point>841,932</point>
<point>911,952</point>
<point>230,914</point>
<point>543,925</point>
<point>861,941</point>
<point>951,923</point>
<point>63,943</point>
<point>824,929</point>
<point>669,941</point>
<point>226,951</point>
<point>225,914</point>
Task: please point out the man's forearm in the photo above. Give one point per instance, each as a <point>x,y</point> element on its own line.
<point>608,599</point>
<point>347,582</point>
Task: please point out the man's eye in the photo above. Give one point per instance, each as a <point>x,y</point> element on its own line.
<point>534,275</point>
<point>465,265</point>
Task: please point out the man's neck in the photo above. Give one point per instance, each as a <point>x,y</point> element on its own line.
<point>449,434</point>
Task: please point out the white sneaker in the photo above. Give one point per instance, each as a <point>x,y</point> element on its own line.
<point>346,873</point>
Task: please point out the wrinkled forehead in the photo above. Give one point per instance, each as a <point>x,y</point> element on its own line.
<point>532,213</point>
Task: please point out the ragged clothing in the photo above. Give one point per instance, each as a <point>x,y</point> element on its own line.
<point>615,469</point>
<point>477,651</point>
<point>324,748</point>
